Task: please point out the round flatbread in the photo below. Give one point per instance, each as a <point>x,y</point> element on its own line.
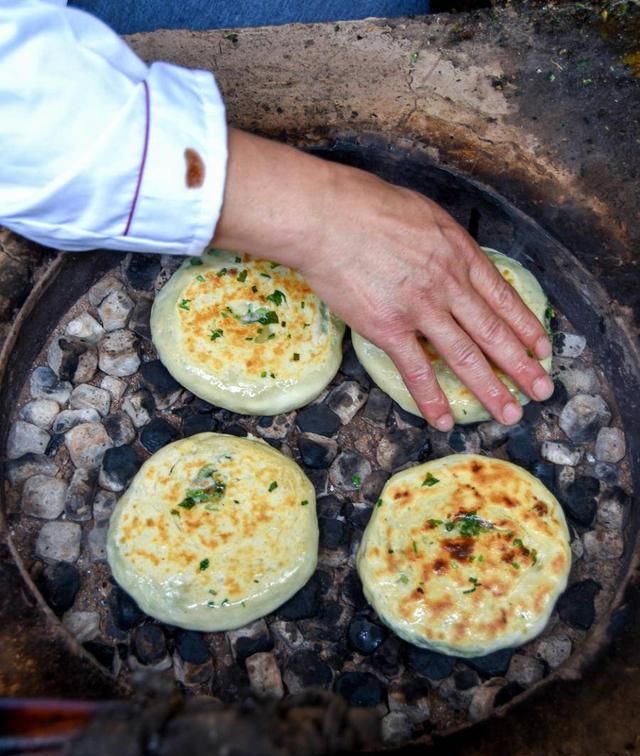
<point>245,334</point>
<point>214,532</point>
<point>465,555</point>
<point>464,405</point>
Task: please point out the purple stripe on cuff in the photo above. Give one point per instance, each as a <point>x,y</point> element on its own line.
<point>144,157</point>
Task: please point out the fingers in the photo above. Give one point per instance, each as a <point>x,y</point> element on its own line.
<point>467,361</point>
<point>496,339</point>
<point>505,301</point>
<point>419,377</point>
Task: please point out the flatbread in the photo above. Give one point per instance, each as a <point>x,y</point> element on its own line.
<point>465,555</point>
<point>245,334</point>
<point>464,405</point>
<point>214,532</point>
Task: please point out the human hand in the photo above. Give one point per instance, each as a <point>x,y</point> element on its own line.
<point>392,264</point>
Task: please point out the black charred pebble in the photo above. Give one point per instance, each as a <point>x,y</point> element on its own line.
<point>235,429</point>
<point>351,365</point>
<point>192,647</point>
<point>52,447</point>
<point>352,591</point>
<point>359,515</point>
<point>142,271</point>
<point>507,693</point>
<point>309,669</point>
<point>59,584</point>
<point>328,625</point>
<point>139,322</point>
<point>465,679</point>
<point>305,603</point>
<point>429,663</point>
<point>103,653</point>
<point>248,646</point>
<point>318,418</point>
<point>458,441</point>
<point>401,446</point>
<point>156,434</point>
<point>120,464</point>
<point>318,452</point>
<point>318,479</point>
<point>576,605</point>
<point>408,417</point>
<point>546,473</point>
<point>119,427</point>
<point>158,378</point>
<point>198,423</point>
<point>71,350</point>
<point>377,407</point>
<point>126,613</point>
<point>149,644</point>
<point>388,657</point>
<point>373,485</point>
<point>522,447</point>
<point>333,533</point>
<point>359,688</point>
<point>329,506</point>
<point>365,637</point>
<point>492,665</point>
<point>579,501</point>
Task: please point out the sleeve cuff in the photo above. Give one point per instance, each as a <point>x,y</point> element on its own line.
<point>181,177</point>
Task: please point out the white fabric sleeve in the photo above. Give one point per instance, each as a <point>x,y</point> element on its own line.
<point>98,149</point>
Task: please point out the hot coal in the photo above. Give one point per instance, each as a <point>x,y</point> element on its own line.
<point>305,603</point>
<point>149,644</point>
<point>576,605</point>
<point>360,688</point>
<point>156,434</point>
<point>333,533</point>
<point>305,669</point>
<point>365,637</point>
<point>143,270</point>
<point>429,663</point>
<point>492,665</point>
<point>59,584</point>
<point>191,646</point>
<point>318,418</point>
<point>125,611</point>
<point>579,501</point>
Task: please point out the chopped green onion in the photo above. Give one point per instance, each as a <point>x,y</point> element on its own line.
<point>273,486</point>
<point>204,564</point>
<point>216,334</point>
<point>277,297</point>
<point>184,304</point>
<point>242,276</point>
<point>430,480</point>
<point>195,261</point>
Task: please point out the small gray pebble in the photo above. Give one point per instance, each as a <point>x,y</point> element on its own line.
<point>59,541</point>
<point>44,497</point>
<point>21,469</point>
<point>396,728</point>
<point>525,670</point>
<point>560,454</point>
<point>583,416</point>
<point>68,419</point>
<point>346,399</point>
<point>568,344</point>
<point>40,412</point>
<point>85,327</point>
<point>114,310</point>
<point>610,445</point>
<point>103,288</point>
<point>554,650</point>
<point>45,384</point>
<point>603,543</point>
<point>103,505</point>
<point>139,406</point>
<point>84,626</point>
<point>25,438</point>
<point>87,444</point>
<point>118,353</point>
<point>97,540</point>
<point>90,397</point>
<point>114,386</point>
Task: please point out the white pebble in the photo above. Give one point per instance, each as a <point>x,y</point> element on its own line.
<point>40,412</point>
<point>24,438</point>
<point>560,454</point>
<point>44,496</point>
<point>610,445</point>
<point>59,541</point>
<point>554,650</point>
<point>85,327</point>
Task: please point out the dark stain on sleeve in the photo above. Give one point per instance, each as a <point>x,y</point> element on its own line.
<point>194,177</point>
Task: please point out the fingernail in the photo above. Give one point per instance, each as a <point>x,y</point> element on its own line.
<point>511,413</point>
<point>444,422</point>
<point>542,348</point>
<point>542,388</point>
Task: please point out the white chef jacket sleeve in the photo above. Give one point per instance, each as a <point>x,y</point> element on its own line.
<point>100,150</point>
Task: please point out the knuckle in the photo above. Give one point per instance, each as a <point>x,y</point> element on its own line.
<point>491,329</point>
<point>465,355</point>
<point>503,293</point>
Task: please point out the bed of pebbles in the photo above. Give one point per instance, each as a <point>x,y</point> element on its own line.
<point>99,402</point>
